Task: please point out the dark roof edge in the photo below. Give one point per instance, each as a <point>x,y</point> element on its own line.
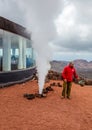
<point>13,27</point>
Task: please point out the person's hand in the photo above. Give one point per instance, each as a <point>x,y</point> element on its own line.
<point>78,78</point>
<point>65,80</point>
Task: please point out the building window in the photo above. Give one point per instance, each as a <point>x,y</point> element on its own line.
<point>16,52</point>
<point>29,55</point>
<point>1,48</point>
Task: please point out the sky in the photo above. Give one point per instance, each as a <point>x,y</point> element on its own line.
<point>62,28</point>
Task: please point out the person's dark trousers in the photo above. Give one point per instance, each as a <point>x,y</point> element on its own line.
<point>66,89</point>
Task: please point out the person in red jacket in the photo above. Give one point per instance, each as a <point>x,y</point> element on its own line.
<point>68,74</point>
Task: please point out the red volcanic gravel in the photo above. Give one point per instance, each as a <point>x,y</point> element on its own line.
<point>50,113</point>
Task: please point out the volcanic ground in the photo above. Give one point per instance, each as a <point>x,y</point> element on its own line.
<point>47,113</point>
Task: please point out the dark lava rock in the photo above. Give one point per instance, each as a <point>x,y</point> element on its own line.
<point>59,85</point>
<point>29,96</point>
<point>40,95</point>
<point>49,88</point>
<point>45,91</point>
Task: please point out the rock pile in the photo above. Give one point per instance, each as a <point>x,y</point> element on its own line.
<point>52,75</point>
<point>88,82</point>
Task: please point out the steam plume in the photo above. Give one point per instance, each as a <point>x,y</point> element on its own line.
<point>40,42</point>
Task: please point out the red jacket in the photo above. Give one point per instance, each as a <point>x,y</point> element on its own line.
<point>68,73</point>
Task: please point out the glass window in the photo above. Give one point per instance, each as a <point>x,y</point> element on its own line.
<point>29,54</point>
<point>14,52</point>
<point>1,48</point>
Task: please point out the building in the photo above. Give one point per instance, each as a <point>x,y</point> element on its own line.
<point>17,62</point>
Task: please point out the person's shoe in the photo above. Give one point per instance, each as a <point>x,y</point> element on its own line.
<point>62,97</point>
<point>68,97</point>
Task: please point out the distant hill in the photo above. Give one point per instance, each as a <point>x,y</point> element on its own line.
<point>83,67</point>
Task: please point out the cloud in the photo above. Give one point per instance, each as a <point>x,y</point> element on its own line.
<point>74,33</point>
<point>65,24</point>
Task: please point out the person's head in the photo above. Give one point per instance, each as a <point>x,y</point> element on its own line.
<point>71,64</point>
